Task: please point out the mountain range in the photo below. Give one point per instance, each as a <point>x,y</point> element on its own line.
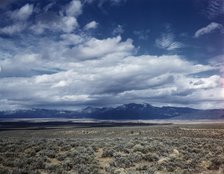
<point>131,111</point>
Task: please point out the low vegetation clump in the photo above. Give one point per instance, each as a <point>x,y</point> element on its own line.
<point>157,150</point>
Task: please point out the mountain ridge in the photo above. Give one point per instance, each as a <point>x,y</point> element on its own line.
<point>130,111</point>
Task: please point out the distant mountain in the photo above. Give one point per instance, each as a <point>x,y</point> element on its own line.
<point>213,114</point>
<point>36,113</point>
<point>131,111</point>
<point>135,111</point>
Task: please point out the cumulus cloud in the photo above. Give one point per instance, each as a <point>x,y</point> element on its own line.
<point>167,42</point>
<point>65,21</point>
<point>103,72</point>
<point>68,24</point>
<point>91,25</point>
<point>65,24</point>
<point>218,61</point>
<point>208,29</point>
<point>71,39</point>
<point>95,48</point>
<point>74,8</point>
<point>12,29</point>
<point>19,17</point>
<point>45,19</point>
<point>67,66</point>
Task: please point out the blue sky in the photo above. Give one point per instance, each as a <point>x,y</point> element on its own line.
<point>71,54</point>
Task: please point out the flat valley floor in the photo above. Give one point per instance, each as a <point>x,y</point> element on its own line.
<point>156,149</point>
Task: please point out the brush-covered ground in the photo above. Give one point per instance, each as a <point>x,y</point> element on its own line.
<point>116,150</point>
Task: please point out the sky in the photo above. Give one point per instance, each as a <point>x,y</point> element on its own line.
<point>69,54</point>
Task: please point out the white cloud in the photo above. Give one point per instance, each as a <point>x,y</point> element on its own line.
<point>68,24</point>
<point>39,28</point>
<point>114,75</point>
<point>23,13</point>
<point>65,24</point>
<point>60,84</point>
<point>91,25</point>
<point>167,42</point>
<point>74,8</point>
<point>208,29</point>
<point>71,39</point>
<point>76,68</point>
<point>19,17</point>
<point>12,29</point>
<point>64,20</point>
<point>95,48</point>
